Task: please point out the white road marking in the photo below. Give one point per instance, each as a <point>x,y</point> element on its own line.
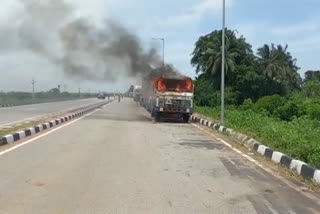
<point>310,196</point>
<point>44,134</point>
<point>269,206</point>
<point>292,212</point>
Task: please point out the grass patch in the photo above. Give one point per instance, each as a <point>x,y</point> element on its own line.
<point>13,129</point>
<point>298,138</point>
<point>23,98</point>
<point>27,101</point>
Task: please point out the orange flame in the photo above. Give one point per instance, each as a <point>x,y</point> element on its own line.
<point>161,85</point>
<point>181,86</point>
<point>189,84</point>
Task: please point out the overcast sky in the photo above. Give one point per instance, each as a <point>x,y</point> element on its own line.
<point>180,22</point>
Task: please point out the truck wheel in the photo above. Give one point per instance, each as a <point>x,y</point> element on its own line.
<point>186,118</point>
<point>158,116</point>
<point>153,112</point>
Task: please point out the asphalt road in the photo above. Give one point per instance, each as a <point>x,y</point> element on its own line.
<point>117,161</point>
<point>15,114</point>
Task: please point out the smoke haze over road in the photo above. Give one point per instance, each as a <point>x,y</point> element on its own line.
<point>77,46</point>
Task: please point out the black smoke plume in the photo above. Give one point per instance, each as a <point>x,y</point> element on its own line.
<point>81,49</point>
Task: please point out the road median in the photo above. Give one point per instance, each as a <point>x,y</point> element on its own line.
<point>64,117</point>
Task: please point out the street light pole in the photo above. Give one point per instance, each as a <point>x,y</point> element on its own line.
<point>162,48</point>
<point>222,61</point>
<point>162,52</point>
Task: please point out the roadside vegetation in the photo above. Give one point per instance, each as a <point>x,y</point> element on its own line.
<point>22,98</point>
<point>12,129</point>
<point>265,96</point>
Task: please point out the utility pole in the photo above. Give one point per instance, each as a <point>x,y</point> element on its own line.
<point>222,61</point>
<point>33,83</point>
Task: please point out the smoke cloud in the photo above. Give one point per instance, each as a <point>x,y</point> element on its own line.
<point>81,49</point>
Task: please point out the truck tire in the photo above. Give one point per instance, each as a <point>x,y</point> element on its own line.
<point>186,118</point>
<point>153,112</point>
<point>158,116</point>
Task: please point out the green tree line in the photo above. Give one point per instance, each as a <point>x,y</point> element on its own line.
<point>268,78</point>
<point>266,97</point>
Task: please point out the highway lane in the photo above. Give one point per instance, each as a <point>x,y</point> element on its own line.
<point>117,161</point>
<point>15,114</point>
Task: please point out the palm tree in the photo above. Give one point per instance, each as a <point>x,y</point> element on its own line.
<point>275,62</point>
<point>213,56</point>
<point>278,66</point>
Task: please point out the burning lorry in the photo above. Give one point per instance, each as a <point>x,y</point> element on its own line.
<point>167,94</point>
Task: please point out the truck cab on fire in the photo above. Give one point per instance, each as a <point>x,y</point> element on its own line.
<point>168,95</point>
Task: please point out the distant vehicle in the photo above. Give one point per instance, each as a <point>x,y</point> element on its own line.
<point>101,96</point>
<point>167,94</point>
<point>130,91</point>
<point>136,93</point>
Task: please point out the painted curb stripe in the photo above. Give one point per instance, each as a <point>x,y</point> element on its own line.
<point>276,157</point>
<point>16,137</point>
<point>297,165</point>
<point>22,134</point>
<point>33,131</point>
<point>8,138</point>
<point>37,129</point>
<point>286,161</point>
<point>47,125</point>
<point>268,153</point>
<point>28,132</point>
<point>256,146</point>
<point>302,168</point>
<point>307,171</point>
<point>316,176</point>
<point>44,126</point>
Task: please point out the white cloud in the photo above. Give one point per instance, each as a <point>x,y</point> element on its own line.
<point>297,28</point>
<point>302,38</point>
<point>309,43</point>
<point>8,5</point>
<point>196,12</point>
<point>94,10</point>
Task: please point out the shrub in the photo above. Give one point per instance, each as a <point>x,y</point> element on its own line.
<point>312,108</point>
<point>287,111</point>
<point>247,104</point>
<point>231,97</point>
<point>270,103</point>
<point>307,106</point>
<point>204,94</point>
<point>298,138</point>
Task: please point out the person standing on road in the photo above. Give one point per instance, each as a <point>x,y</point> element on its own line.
<point>119,98</point>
